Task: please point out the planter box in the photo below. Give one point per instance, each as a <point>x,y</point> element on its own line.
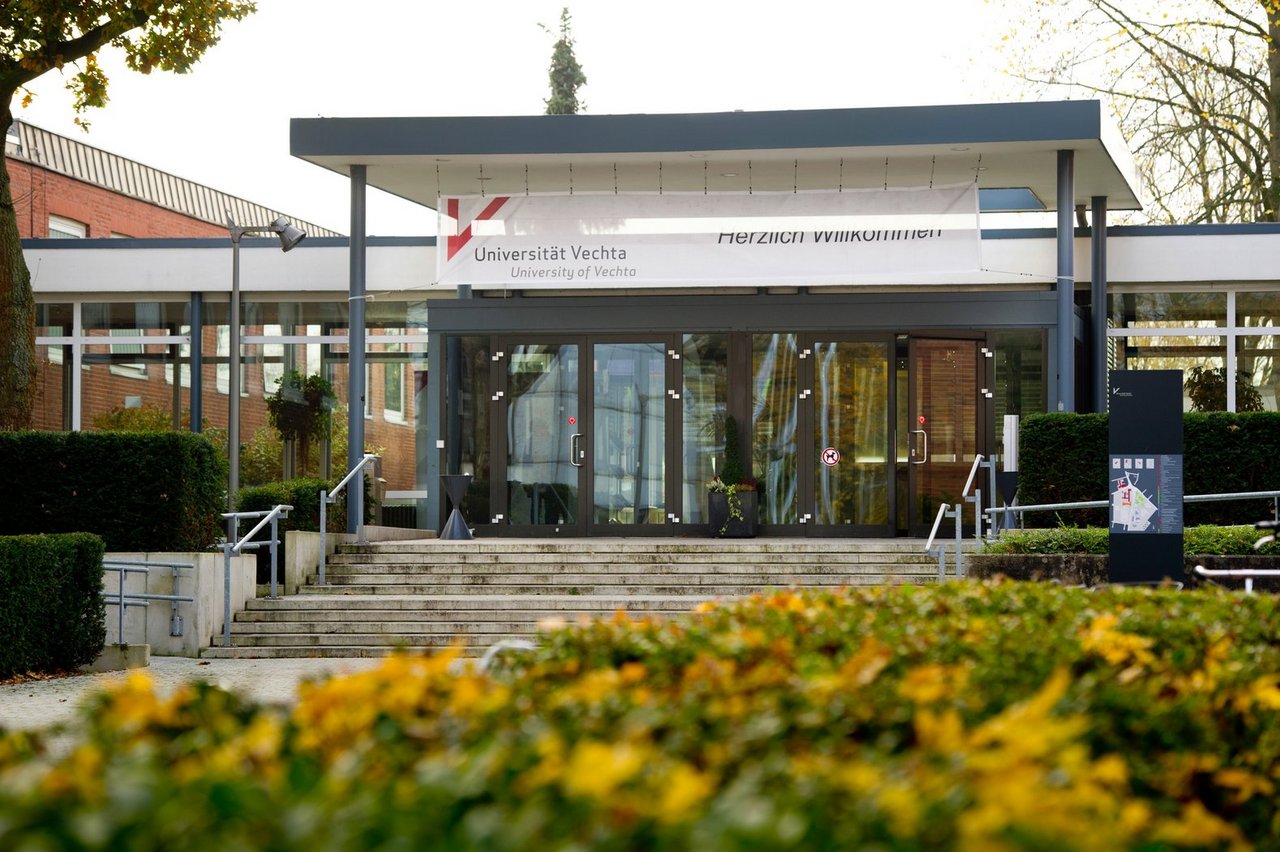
<point>1081,569</point>
<point>718,515</point>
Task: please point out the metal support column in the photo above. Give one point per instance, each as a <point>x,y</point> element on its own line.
<point>1066,282</point>
<point>197,363</point>
<point>430,511</point>
<point>1098,299</point>
<point>355,349</point>
<point>453,398</point>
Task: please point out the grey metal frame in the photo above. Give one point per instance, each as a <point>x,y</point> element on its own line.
<point>122,599</point>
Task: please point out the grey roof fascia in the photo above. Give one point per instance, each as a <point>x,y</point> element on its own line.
<point>964,124</point>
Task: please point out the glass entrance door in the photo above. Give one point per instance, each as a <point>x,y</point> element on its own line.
<point>946,410</point>
<point>821,434</point>
<point>543,442</point>
<point>584,446</point>
<point>629,437</point>
<point>852,471</point>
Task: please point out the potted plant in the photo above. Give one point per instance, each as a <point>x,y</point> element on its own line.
<point>733,507</point>
<point>299,410</point>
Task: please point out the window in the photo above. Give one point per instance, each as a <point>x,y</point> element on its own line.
<point>393,388</point>
<point>62,228</point>
<point>136,370</point>
<point>222,350</point>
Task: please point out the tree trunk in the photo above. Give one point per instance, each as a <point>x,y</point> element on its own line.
<point>17,308</point>
<point>1271,184</point>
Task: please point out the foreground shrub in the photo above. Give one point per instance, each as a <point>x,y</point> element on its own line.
<point>964,716</point>
<point>52,616</point>
<point>1196,541</point>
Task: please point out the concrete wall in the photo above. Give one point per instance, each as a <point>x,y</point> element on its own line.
<point>202,619</point>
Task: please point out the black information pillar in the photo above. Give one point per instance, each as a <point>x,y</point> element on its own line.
<point>1145,475</point>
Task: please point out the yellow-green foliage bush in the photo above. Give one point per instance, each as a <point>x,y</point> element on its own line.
<point>966,716</point>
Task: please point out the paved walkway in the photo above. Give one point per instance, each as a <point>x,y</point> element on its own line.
<point>40,703</point>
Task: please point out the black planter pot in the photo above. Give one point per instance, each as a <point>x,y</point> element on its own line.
<point>719,522</point>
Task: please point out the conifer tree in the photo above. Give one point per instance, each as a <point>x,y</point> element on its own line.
<point>566,73</point>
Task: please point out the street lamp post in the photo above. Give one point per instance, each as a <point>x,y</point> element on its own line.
<point>289,236</point>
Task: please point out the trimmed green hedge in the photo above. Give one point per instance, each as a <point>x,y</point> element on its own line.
<point>1196,541</point>
<point>138,491</point>
<point>303,494</point>
<point>52,615</point>
<point>1063,459</point>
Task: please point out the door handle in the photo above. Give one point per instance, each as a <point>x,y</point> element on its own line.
<point>574,452</point>
<point>924,457</point>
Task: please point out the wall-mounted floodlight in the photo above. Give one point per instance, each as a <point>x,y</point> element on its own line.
<point>290,236</point>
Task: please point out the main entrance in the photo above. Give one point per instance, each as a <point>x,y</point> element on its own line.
<point>846,434</point>
<point>584,436</point>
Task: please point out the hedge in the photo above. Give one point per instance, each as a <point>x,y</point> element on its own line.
<point>960,716</point>
<point>1063,459</point>
<point>303,494</point>
<point>138,491</point>
<point>1196,541</point>
<point>52,616</point>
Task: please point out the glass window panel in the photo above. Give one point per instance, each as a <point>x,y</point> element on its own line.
<point>52,406</point>
<point>276,361</point>
<point>123,366</point>
<point>1167,310</point>
<point>53,320</point>
<point>292,318</point>
<point>393,395</point>
<point>774,425</point>
<point>1258,310</point>
<point>126,390</point>
<point>101,318</point>
<point>703,398</point>
<point>1020,385</point>
<point>473,425</point>
<point>1257,376</point>
<point>1202,360</point>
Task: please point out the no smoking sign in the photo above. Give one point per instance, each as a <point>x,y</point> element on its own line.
<point>830,456</point>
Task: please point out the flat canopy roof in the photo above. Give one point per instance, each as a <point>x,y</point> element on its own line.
<point>1002,146</point>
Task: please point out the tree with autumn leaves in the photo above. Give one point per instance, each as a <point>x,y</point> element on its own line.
<point>40,36</point>
<point>1195,85</point>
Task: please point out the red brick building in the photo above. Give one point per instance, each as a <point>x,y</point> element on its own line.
<point>66,189</point>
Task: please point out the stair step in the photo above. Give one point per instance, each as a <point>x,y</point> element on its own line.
<point>708,590</point>
<point>363,640</point>
<point>318,600</point>
<point>423,595</point>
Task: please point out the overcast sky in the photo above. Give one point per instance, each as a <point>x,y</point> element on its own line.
<point>227,123</point>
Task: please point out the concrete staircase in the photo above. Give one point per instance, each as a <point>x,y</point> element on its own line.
<point>432,594</point>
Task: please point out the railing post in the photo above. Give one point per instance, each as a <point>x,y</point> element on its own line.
<point>324,501</point>
<point>275,519</point>
<point>959,539</point>
<point>226,594</point>
<point>120,609</point>
<point>359,501</point>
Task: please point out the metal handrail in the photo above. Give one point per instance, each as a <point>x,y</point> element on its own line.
<point>357,503</point>
<point>123,600</point>
<point>272,517</point>
<point>1102,504</point>
<point>937,522</point>
<point>1248,573</point>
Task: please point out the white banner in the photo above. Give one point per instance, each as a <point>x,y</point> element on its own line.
<point>691,239</point>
